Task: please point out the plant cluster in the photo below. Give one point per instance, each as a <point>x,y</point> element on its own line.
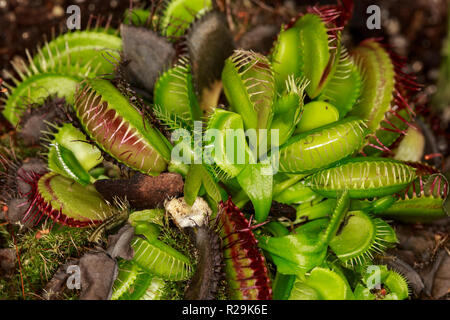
<point>98,110</point>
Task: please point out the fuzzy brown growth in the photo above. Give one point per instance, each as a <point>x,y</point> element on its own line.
<point>21,176</point>
<point>209,43</point>
<point>7,262</point>
<point>204,283</point>
<point>142,191</point>
<point>149,55</point>
<point>259,39</point>
<point>15,190</point>
<point>35,121</point>
<point>16,180</point>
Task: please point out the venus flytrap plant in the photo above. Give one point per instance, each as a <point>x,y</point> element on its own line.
<point>36,89</point>
<point>189,28</point>
<point>232,157</point>
<point>66,202</point>
<point>310,46</point>
<point>382,102</point>
<point>154,262</point>
<point>361,237</point>
<point>153,255</point>
<point>70,155</point>
<point>344,88</point>
<point>302,50</point>
<point>321,284</point>
<point>226,150</point>
<point>133,283</point>
<point>178,91</point>
<point>179,14</point>
<point>174,93</point>
<point>256,90</point>
<point>119,129</point>
<point>42,195</point>
<point>356,104</point>
<point>84,48</point>
<point>381,284</point>
<point>313,51</point>
<point>425,199</point>
<point>157,258</point>
<point>306,248</point>
<point>236,159</point>
<point>58,67</point>
<point>363,178</point>
<point>289,109</point>
<point>180,116</point>
<point>249,84</point>
<point>346,81</point>
<point>321,147</point>
<point>246,272</point>
<point>332,282</point>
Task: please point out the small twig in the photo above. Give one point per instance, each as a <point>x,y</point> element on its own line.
<point>20,263</point>
<point>263,6</point>
<point>229,17</point>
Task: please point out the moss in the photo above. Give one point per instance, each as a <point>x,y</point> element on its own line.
<point>41,253</point>
<point>174,290</point>
<point>21,151</point>
<point>222,292</point>
<point>174,237</point>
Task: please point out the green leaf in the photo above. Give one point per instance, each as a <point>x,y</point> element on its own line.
<point>211,187</point>
<point>306,248</point>
<point>326,285</point>
<point>257,182</point>
<point>249,85</point>
<point>174,93</point>
<point>285,58</point>
<point>314,50</point>
<point>149,230</point>
<point>282,286</point>
<point>180,13</point>
<point>192,184</point>
<point>158,258</point>
<point>344,88</point>
<point>155,216</point>
<point>288,110</point>
<point>61,160</point>
<point>227,146</point>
